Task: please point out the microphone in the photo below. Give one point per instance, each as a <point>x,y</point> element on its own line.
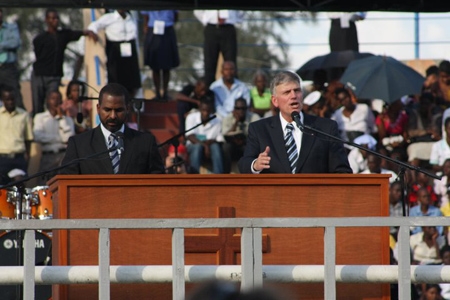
<point>120,147</point>
<point>296,117</point>
<point>79,114</point>
<point>209,119</point>
<point>82,98</point>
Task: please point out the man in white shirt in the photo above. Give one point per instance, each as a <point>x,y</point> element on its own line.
<point>52,129</point>
<point>205,141</point>
<point>227,89</point>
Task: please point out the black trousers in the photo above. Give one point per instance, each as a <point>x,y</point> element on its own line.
<point>218,39</point>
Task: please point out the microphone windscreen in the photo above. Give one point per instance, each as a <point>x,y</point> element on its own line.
<point>79,118</point>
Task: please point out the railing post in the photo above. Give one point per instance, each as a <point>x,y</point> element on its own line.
<point>404,264</point>
<point>330,263</point>
<point>104,262</point>
<point>29,265</point>
<point>178,283</point>
<point>251,256</point>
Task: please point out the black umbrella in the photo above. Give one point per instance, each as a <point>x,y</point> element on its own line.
<point>330,63</point>
<point>382,77</point>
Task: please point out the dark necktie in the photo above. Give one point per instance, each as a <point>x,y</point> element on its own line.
<point>114,155</point>
<point>291,147</point>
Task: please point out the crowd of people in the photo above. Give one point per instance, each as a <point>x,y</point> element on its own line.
<point>234,126</point>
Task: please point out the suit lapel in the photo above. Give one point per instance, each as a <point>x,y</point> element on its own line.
<point>307,143</point>
<point>99,145</point>
<point>278,142</point>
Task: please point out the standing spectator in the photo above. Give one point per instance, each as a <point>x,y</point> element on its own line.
<point>219,37</point>
<point>52,129</point>
<point>160,48</point>
<point>9,43</point>
<point>227,89</point>
<point>49,48</point>
<point>16,135</point>
<point>354,119</point>
<point>260,94</point>
<point>343,34</point>
<point>189,98</point>
<point>205,141</point>
<point>235,131</point>
<point>122,59</point>
<point>424,209</point>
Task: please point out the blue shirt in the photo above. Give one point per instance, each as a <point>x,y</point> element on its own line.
<point>9,42</point>
<point>433,211</point>
<point>225,98</point>
<point>168,16</point>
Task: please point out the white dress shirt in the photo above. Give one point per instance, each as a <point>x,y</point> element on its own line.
<point>52,132</point>
<point>212,16</point>
<point>117,29</point>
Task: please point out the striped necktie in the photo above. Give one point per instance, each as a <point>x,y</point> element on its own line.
<point>114,155</point>
<point>291,147</point>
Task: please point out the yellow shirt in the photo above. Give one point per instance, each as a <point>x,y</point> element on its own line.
<point>15,129</point>
<point>261,102</point>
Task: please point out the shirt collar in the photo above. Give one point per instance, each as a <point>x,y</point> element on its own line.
<point>107,133</point>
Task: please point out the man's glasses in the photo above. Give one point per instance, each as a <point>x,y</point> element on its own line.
<point>240,108</point>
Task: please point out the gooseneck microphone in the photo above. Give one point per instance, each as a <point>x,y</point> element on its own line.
<point>296,117</point>
<point>120,146</point>
<point>212,117</point>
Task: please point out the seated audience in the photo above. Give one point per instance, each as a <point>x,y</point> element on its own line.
<point>235,131</point>
<point>260,94</point>
<point>426,245</point>
<point>424,208</point>
<point>205,141</point>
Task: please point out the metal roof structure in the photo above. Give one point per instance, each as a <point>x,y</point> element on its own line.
<point>266,5</point>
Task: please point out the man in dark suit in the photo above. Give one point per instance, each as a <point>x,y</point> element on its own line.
<point>140,155</point>
<point>266,150</point>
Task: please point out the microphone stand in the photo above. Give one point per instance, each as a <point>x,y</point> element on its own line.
<point>403,166</point>
<point>176,142</point>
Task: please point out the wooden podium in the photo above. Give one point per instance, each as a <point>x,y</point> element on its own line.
<point>215,196</point>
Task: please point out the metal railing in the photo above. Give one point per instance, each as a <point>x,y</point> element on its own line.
<point>251,273</point>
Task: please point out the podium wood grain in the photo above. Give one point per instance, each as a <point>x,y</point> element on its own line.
<point>202,196</point>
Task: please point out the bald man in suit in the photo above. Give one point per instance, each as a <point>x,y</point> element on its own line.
<point>266,152</point>
<point>140,155</point>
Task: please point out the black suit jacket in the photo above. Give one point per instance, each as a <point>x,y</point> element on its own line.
<point>140,155</point>
<point>317,155</point>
